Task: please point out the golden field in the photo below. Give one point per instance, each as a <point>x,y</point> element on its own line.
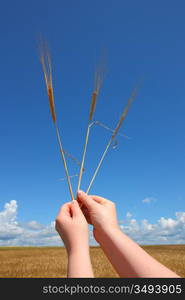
<point>51,261</point>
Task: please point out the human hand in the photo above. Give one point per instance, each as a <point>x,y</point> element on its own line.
<point>99,212</point>
<point>72,227</point>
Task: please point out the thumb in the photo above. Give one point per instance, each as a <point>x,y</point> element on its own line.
<point>75,208</point>
<point>86,200</point>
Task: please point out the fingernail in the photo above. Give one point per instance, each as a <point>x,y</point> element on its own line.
<point>80,192</point>
<point>74,202</point>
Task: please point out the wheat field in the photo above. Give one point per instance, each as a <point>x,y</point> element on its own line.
<point>50,262</point>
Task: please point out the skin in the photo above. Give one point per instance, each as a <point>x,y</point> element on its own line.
<point>73,229</point>
<point>126,256</point>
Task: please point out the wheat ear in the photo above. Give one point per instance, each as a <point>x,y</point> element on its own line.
<point>123,116</point>
<point>97,85</point>
<point>47,69</point>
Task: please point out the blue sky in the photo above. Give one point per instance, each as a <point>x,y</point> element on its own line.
<point>142,39</point>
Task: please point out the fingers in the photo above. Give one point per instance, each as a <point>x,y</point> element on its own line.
<point>99,199</point>
<point>65,209</point>
<point>69,209</point>
<point>75,208</point>
<point>86,200</point>
<point>86,214</point>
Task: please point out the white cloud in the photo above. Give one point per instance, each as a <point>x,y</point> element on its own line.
<point>164,231</point>
<point>31,233</point>
<point>13,233</point>
<point>8,215</point>
<point>148,200</point>
<point>9,228</point>
<point>167,223</point>
<point>146,225</point>
<point>34,225</point>
<point>128,215</point>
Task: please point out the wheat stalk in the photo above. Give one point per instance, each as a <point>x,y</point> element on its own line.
<point>109,129</point>
<point>72,158</point>
<point>123,116</point>
<point>97,85</point>
<point>47,69</point>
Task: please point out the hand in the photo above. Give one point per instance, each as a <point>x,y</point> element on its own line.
<point>99,212</point>
<point>72,227</point>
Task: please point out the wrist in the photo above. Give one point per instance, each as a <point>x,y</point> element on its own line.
<point>102,233</point>
<point>78,249</point>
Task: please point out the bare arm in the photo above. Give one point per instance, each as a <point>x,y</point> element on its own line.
<point>73,229</point>
<point>79,264</point>
<point>129,259</point>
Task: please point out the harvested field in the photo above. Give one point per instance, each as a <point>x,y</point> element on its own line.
<point>51,261</point>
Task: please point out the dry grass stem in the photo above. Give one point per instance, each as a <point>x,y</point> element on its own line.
<point>98,80</point>
<point>51,103</point>
<point>93,105</point>
<point>47,69</point>
<point>83,157</point>
<point>97,85</point>
<point>64,162</point>
<point>109,129</point>
<point>123,116</point>
<point>73,158</point>
<point>99,165</point>
<point>71,176</point>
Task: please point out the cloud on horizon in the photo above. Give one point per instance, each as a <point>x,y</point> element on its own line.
<point>32,233</point>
